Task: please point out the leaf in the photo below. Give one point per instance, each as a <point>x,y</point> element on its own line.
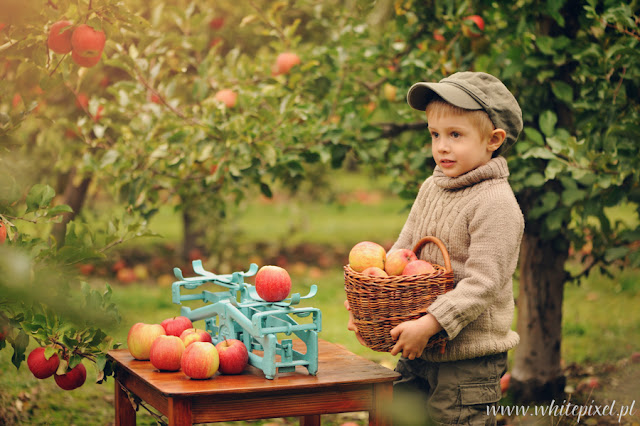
<point>547,122</point>
<point>562,91</point>
<point>39,197</point>
<point>615,253</point>
<point>19,344</point>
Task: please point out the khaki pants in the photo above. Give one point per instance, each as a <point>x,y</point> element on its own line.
<point>448,393</point>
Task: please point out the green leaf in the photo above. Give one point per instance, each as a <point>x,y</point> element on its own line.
<point>562,91</point>
<point>39,197</point>
<point>547,122</point>
<point>615,253</point>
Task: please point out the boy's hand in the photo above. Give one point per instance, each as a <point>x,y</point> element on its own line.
<point>412,336</point>
<point>352,325</point>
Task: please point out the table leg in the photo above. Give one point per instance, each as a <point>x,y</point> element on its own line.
<point>310,420</point>
<point>380,414</point>
<point>125,414</point>
<point>179,412</point>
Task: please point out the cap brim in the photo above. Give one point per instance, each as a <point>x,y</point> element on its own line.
<point>420,94</point>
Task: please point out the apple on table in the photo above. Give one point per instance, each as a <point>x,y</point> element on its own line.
<point>141,337</point>
<point>233,355</point>
<point>174,326</point>
<point>166,353</point>
<point>200,360</point>
<point>191,335</point>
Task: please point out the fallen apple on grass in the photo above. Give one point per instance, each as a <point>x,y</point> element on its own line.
<point>191,335</point>
<point>366,254</point>
<point>40,366</point>
<point>273,283</point>
<point>166,353</point>
<point>200,360</point>
<point>141,337</point>
<point>72,379</point>
<point>397,260</point>
<point>174,326</point>
<point>418,267</point>
<point>233,356</point>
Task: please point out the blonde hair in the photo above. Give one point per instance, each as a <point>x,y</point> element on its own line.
<point>479,118</point>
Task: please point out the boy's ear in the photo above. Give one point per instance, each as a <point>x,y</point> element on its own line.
<point>496,139</point>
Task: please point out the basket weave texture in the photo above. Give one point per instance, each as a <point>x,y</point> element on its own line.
<point>378,304</point>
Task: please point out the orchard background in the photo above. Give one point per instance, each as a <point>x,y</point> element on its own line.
<point>112,174</point>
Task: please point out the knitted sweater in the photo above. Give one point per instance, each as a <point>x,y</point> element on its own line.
<point>478,219</point>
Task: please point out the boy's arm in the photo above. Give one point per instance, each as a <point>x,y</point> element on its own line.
<point>413,336</point>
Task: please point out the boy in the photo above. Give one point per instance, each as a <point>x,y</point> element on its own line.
<point>469,205</point>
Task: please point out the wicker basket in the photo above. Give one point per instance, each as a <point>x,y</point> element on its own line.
<point>378,304</point>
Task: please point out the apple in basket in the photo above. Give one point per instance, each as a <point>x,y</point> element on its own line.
<point>418,267</point>
<point>374,271</point>
<point>273,283</point>
<point>397,260</point>
<point>366,254</point>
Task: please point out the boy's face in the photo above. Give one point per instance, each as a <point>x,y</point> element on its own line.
<point>457,143</point>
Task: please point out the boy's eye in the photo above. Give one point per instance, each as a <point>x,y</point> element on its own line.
<point>434,135</point>
<point>455,134</point>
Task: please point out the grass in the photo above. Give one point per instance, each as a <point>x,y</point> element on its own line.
<point>601,322</point>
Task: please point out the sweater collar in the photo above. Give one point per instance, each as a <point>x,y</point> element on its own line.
<point>494,169</point>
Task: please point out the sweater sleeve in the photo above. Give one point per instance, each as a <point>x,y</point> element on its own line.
<point>495,228</point>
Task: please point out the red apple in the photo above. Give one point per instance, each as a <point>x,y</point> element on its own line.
<point>72,379</point>
<point>87,42</point>
<point>397,260</point>
<point>417,267</point>
<point>374,271</point>
<point>126,275</point>
<point>284,62</point>
<point>227,97</point>
<point>3,232</point>
<point>475,27</point>
<point>176,325</point>
<point>366,254</point>
<point>166,353</point>
<point>504,382</point>
<point>86,62</point>
<point>216,23</point>
<point>191,335</point>
<point>60,38</point>
<point>82,101</point>
<point>200,360</point>
<point>40,366</point>
<point>141,337</point>
<point>233,355</point>
<point>273,283</point>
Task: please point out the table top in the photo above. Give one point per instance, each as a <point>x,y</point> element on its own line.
<point>336,366</point>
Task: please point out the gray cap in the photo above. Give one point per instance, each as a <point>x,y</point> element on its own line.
<point>473,91</point>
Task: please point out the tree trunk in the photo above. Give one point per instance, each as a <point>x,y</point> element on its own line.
<point>189,232</point>
<point>537,374</point>
<point>74,197</point>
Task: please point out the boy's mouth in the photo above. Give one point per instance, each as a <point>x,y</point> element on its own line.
<point>446,163</point>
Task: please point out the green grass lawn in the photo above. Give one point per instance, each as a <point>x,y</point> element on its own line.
<point>601,321</point>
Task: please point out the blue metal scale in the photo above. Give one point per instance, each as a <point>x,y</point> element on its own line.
<point>239,313</point>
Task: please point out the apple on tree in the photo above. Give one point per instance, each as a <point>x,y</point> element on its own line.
<point>366,254</point>
<point>59,39</point>
<point>200,360</point>
<point>397,260</point>
<point>284,62</point>
<point>166,353</point>
<point>474,28</point>
<point>41,366</point>
<point>141,337</point>
<point>3,232</point>
<point>273,283</point>
<point>233,356</point>
<point>191,335</point>
<point>174,326</point>
<point>87,45</point>
<point>227,97</point>
<point>72,379</point>
<point>418,267</point>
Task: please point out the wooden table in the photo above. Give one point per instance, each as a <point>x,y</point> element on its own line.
<point>345,383</point>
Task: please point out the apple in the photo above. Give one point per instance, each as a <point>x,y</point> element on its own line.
<point>141,337</point>
<point>397,260</point>
<point>374,271</point>
<point>200,360</point>
<point>82,101</point>
<point>87,42</point>
<point>60,38</point>
<point>273,283</point>
<point>86,62</point>
<point>40,366</point>
<point>4,331</point>
<point>126,275</point>
<point>3,232</point>
<point>216,23</point>
<point>176,325</point>
<point>166,353</point>
<point>284,62</point>
<point>635,357</point>
<point>366,254</point>
<point>504,382</point>
<point>72,379</point>
<point>475,28</point>
<point>191,335</point>
<point>141,272</point>
<point>227,97</point>
<point>416,267</point>
<point>390,92</point>
<point>233,356</point>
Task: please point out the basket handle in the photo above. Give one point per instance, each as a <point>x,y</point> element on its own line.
<point>440,244</point>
